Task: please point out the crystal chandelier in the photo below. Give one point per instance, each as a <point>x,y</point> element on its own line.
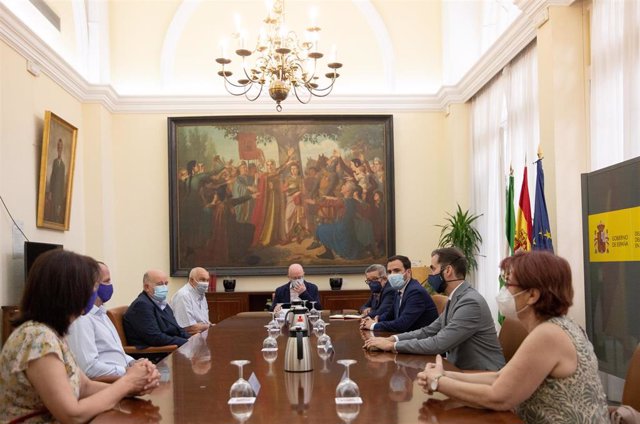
<point>281,61</point>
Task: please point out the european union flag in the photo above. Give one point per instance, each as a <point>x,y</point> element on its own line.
<point>541,228</point>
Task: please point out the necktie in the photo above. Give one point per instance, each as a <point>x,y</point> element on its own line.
<point>396,305</point>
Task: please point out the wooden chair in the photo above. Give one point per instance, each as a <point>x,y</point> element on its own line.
<point>511,335</point>
<point>115,315</point>
<point>631,391</point>
<point>441,302</point>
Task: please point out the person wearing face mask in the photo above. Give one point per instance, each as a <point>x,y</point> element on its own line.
<point>149,321</point>
<point>553,376</point>
<point>189,304</point>
<point>465,330</point>
<point>381,298</point>
<point>411,307</point>
<point>297,288</point>
<point>93,339</point>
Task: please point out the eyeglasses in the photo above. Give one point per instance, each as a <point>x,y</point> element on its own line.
<point>367,281</point>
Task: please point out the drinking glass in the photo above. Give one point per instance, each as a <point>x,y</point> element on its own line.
<point>319,327</point>
<point>314,314</point>
<point>273,322</point>
<point>280,318</point>
<point>270,342</point>
<point>324,342</point>
<point>241,411</point>
<point>274,332</point>
<point>241,387</point>
<point>347,387</point>
<point>324,354</point>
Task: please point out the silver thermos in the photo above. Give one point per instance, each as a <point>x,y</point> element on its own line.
<point>297,357</point>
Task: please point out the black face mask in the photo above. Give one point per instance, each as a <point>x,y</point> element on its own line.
<point>437,281</point>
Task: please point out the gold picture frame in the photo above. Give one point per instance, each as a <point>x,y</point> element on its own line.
<point>57,161</point>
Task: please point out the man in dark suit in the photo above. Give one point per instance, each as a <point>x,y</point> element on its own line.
<point>296,288</point>
<point>465,330</point>
<point>412,306</point>
<point>381,298</point>
<point>149,321</point>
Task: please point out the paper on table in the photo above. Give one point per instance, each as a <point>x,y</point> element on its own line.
<point>347,316</point>
<point>348,400</point>
<point>241,400</point>
<point>255,384</point>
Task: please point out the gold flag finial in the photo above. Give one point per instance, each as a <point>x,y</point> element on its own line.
<point>540,156</point>
<point>510,169</point>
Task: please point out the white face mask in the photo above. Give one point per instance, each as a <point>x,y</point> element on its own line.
<point>202,287</point>
<point>297,282</point>
<point>507,303</point>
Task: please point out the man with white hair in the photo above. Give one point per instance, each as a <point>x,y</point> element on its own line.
<point>189,304</point>
<point>297,288</point>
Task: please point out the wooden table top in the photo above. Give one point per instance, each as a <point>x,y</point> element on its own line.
<point>199,376</point>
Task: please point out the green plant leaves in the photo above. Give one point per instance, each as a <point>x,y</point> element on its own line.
<point>459,232</point>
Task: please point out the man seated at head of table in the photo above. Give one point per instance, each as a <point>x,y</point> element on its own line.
<point>94,340</point>
<point>412,307</point>
<point>381,297</point>
<point>553,376</point>
<point>189,304</point>
<point>465,329</point>
<point>149,321</point>
<point>297,288</point>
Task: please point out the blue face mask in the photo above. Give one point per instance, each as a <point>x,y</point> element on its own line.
<point>375,286</point>
<point>105,291</point>
<point>160,293</point>
<point>437,282</point>
<point>90,303</point>
<point>396,281</point>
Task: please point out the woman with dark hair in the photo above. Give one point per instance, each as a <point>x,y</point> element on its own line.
<point>553,376</point>
<point>39,378</point>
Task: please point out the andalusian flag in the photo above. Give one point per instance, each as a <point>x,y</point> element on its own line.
<point>510,225</point>
<point>524,232</point>
<point>541,228</point>
<point>510,219</point>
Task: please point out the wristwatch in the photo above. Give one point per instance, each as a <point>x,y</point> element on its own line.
<point>434,383</point>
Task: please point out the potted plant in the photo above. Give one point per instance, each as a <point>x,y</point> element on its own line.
<point>459,232</point>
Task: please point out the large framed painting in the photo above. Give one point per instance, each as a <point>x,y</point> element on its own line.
<point>249,195</point>
<point>56,172</point>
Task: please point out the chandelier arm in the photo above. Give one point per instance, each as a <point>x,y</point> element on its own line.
<point>304,102</point>
<point>246,88</point>
<point>320,92</point>
<point>252,99</point>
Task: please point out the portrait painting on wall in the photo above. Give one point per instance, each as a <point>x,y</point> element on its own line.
<point>251,195</point>
<point>56,172</point>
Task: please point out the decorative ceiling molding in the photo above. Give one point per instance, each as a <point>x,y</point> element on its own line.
<point>521,32</point>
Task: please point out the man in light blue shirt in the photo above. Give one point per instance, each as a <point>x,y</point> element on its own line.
<point>189,304</point>
<point>94,341</point>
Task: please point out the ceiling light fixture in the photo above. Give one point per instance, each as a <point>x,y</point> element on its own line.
<point>282,61</point>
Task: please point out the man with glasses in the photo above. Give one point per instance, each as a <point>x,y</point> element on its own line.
<point>189,304</point>
<point>149,321</point>
<point>465,331</point>
<point>412,307</point>
<point>381,293</point>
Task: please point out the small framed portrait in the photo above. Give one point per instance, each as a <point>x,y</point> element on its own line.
<point>56,172</point>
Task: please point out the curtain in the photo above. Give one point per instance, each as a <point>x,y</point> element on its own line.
<point>487,132</point>
<point>615,82</point>
<point>504,126</point>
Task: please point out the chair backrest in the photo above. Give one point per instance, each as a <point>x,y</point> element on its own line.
<point>115,315</point>
<point>631,392</point>
<point>440,301</point>
<point>511,335</point>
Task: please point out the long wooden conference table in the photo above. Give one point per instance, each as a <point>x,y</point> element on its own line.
<point>198,376</point>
